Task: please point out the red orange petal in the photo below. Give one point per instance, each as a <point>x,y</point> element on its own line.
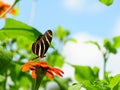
<point>57,71</point>
<point>25,68</point>
<point>33,63</point>
<point>49,74</point>
<point>4,7</point>
<point>1,4</point>
<point>34,74</point>
<point>44,64</point>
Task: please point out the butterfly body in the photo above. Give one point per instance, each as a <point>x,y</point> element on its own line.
<point>42,44</point>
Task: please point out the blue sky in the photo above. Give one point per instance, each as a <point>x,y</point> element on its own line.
<point>85,16</point>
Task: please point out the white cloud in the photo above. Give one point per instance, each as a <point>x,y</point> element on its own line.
<point>113,64</point>
<point>81,53</point>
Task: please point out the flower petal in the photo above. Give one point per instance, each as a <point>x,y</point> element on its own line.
<point>34,75</point>
<point>49,74</point>
<point>57,71</point>
<point>33,63</point>
<point>4,7</point>
<point>25,68</point>
<point>43,64</point>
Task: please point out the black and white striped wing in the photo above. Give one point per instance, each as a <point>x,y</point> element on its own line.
<point>42,44</point>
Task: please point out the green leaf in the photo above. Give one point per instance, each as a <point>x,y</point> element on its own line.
<point>109,46</point>
<point>116,41</point>
<point>55,59</point>
<point>2,82</point>
<point>15,70</point>
<point>75,87</point>
<point>117,87</point>
<point>114,81</point>
<point>61,33</point>
<point>96,71</point>
<point>88,85</point>
<point>94,43</point>
<point>25,82</point>
<point>71,40</point>
<point>107,76</point>
<point>2,78</point>
<point>99,84</point>
<point>84,73</point>
<point>19,30</point>
<point>19,77</point>
<point>106,2</point>
<point>16,29</point>
<point>5,58</point>
<point>63,82</point>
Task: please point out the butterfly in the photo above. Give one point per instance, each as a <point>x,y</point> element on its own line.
<point>42,44</point>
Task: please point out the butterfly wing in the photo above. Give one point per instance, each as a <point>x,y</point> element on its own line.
<point>46,41</point>
<point>42,44</point>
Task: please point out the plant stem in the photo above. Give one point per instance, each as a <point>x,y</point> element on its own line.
<point>9,8</point>
<point>37,82</point>
<point>105,57</point>
<point>40,74</point>
<point>104,68</point>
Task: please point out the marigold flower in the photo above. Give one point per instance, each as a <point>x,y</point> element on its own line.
<point>4,7</point>
<point>41,67</point>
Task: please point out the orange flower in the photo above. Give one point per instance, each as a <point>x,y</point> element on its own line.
<point>41,67</point>
<point>4,7</point>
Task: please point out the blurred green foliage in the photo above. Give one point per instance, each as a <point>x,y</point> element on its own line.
<point>5,58</point>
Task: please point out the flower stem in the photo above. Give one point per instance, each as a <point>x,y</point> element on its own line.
<point>38,79</point>
<point>16,1</point>
<point>37,82</point>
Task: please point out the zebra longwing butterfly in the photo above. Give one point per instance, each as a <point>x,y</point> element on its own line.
<point>42,44</point>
